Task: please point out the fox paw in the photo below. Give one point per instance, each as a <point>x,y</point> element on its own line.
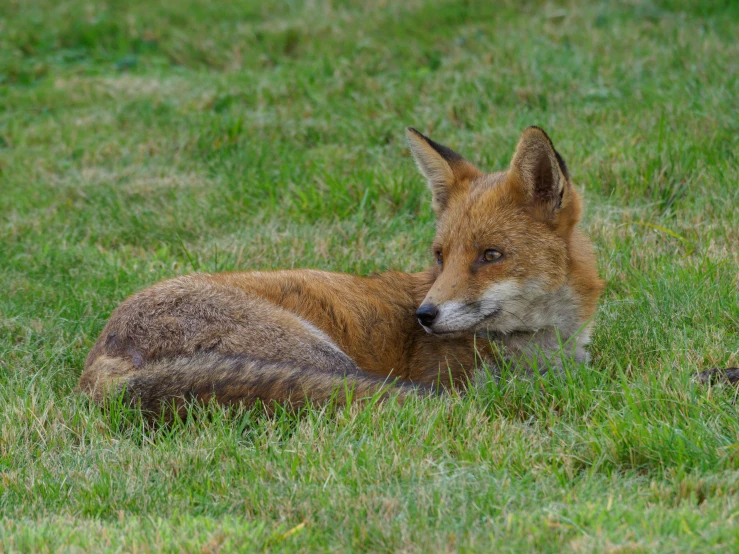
<point>717,376</point>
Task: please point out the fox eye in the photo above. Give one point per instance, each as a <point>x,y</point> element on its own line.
<point>439,258</point>
<point>492,255</point>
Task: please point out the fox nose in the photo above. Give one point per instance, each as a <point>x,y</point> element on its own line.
<point>426,314</point>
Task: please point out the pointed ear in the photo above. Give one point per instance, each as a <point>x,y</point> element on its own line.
<point>541,174</point>
<point>446,171</point>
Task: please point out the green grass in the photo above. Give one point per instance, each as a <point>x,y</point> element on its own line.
<point>145,139</point>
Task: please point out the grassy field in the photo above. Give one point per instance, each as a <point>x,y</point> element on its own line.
<point>145,139</point>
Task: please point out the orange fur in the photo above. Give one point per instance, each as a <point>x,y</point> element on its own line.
<point>289,336</point>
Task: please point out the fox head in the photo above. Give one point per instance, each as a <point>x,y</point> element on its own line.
<point>507,255</point>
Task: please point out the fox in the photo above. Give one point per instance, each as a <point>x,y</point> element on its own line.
<point>513,283</point>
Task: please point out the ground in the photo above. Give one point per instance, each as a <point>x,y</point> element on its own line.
<point>145,139</point>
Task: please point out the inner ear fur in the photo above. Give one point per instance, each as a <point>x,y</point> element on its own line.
<point>540,173</point>
<point>446,172</point>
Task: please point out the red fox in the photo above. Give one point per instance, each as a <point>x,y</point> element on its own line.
<point>513,281</point>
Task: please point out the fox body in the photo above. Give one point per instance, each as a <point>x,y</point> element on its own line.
<point>513,282</point>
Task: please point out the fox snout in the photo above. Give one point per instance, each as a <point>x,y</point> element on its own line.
<point>475,310</point>
<point>427,314</point>
<point>450,317</point>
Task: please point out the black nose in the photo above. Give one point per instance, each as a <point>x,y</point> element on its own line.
<point>426,314</point>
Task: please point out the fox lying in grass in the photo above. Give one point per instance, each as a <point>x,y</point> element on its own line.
<point>513,282</point>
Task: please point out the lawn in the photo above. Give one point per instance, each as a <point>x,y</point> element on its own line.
<point>145,139</point>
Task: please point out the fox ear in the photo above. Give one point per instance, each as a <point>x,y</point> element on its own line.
<point>541,172</point>
<point>444,169</point>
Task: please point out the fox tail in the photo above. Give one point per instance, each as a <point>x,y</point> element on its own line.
<point>229,379</point>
